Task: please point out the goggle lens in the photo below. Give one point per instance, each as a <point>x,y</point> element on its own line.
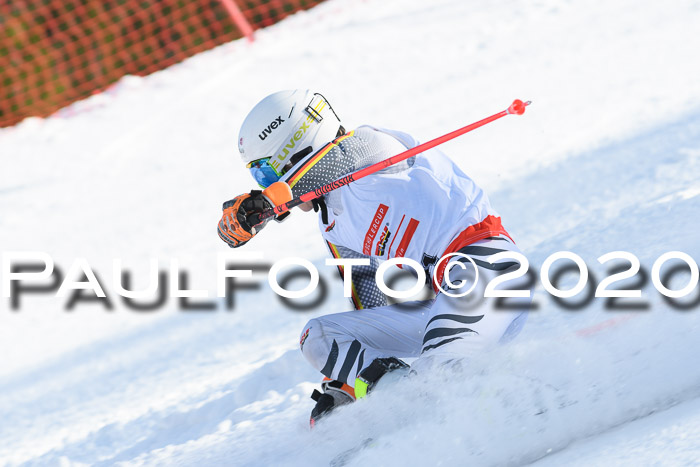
<point>263,173</point>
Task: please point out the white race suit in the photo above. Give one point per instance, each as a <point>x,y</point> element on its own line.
<point>420,209</point>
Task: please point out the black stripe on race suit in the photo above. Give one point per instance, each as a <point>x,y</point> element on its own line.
<point>498,238</point>
<point>495,266</point>
<point>360,362</point>
<point>486,251</point>
<point>444,332</point>
<point>332,358</point>
<point>480,250</point>
<point>350,358</point>
<point>446,341</point>
<point>459,318</point>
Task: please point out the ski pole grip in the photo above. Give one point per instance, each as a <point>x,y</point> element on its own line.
<point>279,193</point>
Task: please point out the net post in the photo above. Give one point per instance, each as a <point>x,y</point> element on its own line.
<point>239,19</point>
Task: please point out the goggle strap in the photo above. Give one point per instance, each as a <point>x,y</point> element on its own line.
<point>315,114</point>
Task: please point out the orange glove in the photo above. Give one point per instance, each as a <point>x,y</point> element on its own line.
<point>236,226</point>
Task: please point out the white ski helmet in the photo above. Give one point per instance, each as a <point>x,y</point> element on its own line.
<point>282,129</point>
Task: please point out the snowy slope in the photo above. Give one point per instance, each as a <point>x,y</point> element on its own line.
<point>665,438</point>
<point>607,158</point>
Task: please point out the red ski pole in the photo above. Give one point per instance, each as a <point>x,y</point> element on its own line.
<point>517,107</point>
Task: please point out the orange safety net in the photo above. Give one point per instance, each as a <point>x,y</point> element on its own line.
<point>54,52</point>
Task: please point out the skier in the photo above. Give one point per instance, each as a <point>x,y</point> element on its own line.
<point>421,209</point>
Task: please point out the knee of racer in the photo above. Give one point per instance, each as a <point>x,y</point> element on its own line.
<point>313,344</point>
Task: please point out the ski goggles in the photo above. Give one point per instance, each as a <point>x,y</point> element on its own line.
<point>262,172</point>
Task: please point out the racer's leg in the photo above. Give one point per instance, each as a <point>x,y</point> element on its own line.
<point>341,345</point>
<point>459,327</point>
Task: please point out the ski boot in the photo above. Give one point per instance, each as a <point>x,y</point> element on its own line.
<point>334,395</point>
<point>369,377</point>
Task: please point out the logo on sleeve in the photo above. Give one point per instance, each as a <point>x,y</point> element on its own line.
<point>374,229</point>
<point>383,239</point>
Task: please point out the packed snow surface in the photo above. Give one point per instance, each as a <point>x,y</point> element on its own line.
<point>607,158</point>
